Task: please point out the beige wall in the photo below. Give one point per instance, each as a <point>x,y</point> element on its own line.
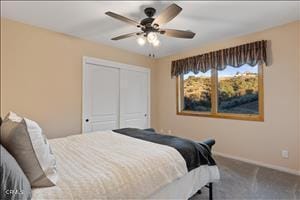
<point>257,141</point>
<point>41,78</point>
<point>299,92</point>
<point>42,74</point>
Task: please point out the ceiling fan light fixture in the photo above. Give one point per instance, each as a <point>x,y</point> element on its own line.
<point>141,41</point>
<point>150,26</point>
<point>151,37</point>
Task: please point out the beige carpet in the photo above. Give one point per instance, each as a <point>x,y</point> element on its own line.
<point>241,180</point>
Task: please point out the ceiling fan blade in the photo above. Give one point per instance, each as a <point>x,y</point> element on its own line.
<point>167,14</point>
<point>178,33</point>
<point>122,18</point>
<point>126,36</point>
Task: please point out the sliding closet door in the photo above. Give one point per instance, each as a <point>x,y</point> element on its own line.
<point>133,99</point>
<point>101,98</point>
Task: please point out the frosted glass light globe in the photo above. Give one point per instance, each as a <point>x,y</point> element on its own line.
<point>141,41</point>
<point>151,37</point>
<point>156,43</point>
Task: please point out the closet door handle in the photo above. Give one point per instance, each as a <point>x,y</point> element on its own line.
<point>145,115</point>
<point>87,120</point>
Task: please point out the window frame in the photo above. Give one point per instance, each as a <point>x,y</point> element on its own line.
<point>214,100</point>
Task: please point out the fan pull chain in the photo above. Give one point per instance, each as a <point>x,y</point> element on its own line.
<point>151,55</point>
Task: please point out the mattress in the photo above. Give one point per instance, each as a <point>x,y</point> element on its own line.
<point>108,165</point>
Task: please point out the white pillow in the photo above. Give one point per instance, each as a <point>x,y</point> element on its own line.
<point>23,138</point>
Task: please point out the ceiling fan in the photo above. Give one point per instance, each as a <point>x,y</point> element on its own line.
<point>149,27</point>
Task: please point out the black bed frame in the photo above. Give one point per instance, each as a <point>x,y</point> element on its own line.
<point>210,187</point>
<point>209,143</point>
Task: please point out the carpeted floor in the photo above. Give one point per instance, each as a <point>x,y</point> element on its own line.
<point>241,180</point>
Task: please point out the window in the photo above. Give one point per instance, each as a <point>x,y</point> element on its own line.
<point>197,92</point>
<point>235,93</point>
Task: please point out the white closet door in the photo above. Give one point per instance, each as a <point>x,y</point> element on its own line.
<point>133,99</point>
<point>101,98</point>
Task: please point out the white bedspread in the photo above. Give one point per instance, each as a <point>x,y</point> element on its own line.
<point>108,165</point>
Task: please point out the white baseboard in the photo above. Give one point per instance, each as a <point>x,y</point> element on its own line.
<point>279,168</point>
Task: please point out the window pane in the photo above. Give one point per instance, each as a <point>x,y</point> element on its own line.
<point>197,92</point>
<point>238,90</point>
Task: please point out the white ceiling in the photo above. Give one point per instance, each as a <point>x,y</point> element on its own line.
<point>211,21</point>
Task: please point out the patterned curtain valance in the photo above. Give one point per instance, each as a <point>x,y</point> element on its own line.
<point>252,54</point>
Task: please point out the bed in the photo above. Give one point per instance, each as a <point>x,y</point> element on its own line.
<point>120,165</point>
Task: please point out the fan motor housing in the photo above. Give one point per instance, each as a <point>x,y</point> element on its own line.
<point>147,22</point>
<point>150,13</point>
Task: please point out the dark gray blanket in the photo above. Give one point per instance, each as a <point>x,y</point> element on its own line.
<point>194,154</point>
